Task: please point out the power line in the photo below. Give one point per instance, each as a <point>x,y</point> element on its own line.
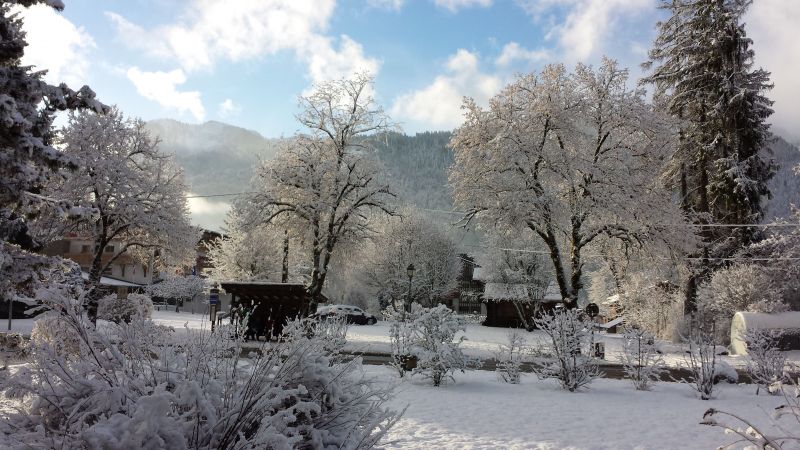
<point>232,194</point>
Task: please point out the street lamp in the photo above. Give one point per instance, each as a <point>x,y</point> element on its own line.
<point>410,272</point>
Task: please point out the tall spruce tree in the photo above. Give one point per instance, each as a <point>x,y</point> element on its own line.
<point>701,66</point>
<point>27,108</point>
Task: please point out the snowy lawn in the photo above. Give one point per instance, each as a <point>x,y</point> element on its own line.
<point>479,412</point>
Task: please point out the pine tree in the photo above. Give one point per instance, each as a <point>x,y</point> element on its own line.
<point>701,66</point>
<point>27,109</point>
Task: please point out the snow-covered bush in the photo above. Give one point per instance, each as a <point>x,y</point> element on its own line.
<point>640,358</point>
<point>115,309</point>
<point>766,363</point>
<point>788,434</point>
<point>701,358</point>
<point>332,331</point>
<point>139,385</point>
<point>438,352</point>
<point>569,342</point>
<point>510,357</point>
<point>401,338</point>
<point>52,331</point>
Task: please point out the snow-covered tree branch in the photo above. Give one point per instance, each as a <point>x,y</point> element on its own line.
<point>326,186</point>
<point>136,192</point>
<point>575,158</point>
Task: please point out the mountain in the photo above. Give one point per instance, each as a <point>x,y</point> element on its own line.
<point>217,158</point>
<point>417,167</point>
<point>785,185</point>
<point>220,159</point>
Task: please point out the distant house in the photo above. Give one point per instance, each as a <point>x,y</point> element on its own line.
<point>467,297</point>
<point>80,249</point>
<point>203,263</point>
<point>505,302</point>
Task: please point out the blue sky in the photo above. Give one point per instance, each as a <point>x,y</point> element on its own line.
<point>245,62</point>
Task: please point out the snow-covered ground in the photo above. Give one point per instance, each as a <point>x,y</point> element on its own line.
<point>479,412</point>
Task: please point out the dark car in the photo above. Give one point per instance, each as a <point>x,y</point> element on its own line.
<point>353,314</point>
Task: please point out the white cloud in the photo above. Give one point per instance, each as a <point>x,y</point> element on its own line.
<point>57,45</point>
<point>772,24</point>
<point>438,105</point>
<point>327,63</point>
<point>455,5</point>
<point>161,87</point>
<point>513,52</point>
<point>581,29</point>
<point>213,31</point>
<point>587,25</point>
<point>394,5</point>
<point>227,108</point>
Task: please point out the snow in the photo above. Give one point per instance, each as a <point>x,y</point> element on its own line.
<point>478,412</point>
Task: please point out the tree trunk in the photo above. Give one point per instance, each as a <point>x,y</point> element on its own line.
<point>95,275</point>
<point>285,268</point>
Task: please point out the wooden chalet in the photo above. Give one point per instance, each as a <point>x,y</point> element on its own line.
<point>504,303</point>
<point>274,303</point>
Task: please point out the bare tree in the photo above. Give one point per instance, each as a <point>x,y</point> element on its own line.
<point>325,185</point>
<point>136,194</point>
<point>574,158</point>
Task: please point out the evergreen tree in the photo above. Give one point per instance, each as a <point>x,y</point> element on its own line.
<point>27,108</point>
<point>701,66</point>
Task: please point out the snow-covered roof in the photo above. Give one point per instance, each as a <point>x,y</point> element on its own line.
<point>108,281</point>
<point>518,292</point>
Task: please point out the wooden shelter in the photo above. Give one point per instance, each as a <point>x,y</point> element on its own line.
<point>504,303</point>
<point>273,303</point>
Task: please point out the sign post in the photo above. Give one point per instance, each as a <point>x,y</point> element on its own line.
<point>213,302</point>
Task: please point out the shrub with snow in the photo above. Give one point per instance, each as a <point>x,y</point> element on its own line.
<point>401,338</point>
<point>766,363</point>
<point>438,352</point>
<point>569,342</point>
<point>115,309</point>
<point>640,358</point>
<point>142,386</point>
<point>701,358</point>
<point>510,357</point>
<point>52,331</point>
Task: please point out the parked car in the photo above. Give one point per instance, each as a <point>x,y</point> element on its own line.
<point>353,314</point>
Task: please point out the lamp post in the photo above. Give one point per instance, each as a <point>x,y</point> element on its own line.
<point>410,272</point>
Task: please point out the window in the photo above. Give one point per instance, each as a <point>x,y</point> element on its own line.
<point>109,249</point>
<point>86,248</point>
